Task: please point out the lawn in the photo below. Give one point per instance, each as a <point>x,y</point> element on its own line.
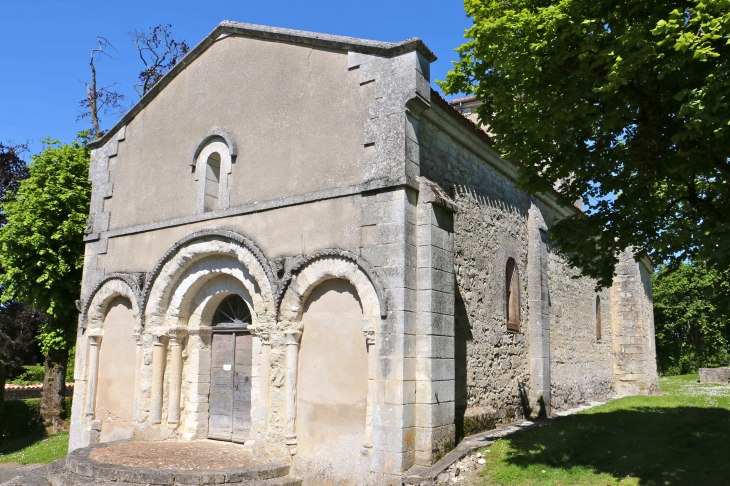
<point>679,438</point>
<point>36,448</point>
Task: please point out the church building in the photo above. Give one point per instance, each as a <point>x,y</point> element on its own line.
<point>298,246</point>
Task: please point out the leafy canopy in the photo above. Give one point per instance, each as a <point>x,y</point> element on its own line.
<point>41,245</point>
<point>622,103</point>
<point>691,318</point>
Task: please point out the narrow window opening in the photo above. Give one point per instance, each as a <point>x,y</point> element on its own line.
<point>512,296</point>
<point>212,180</point>
<point>598,318</point>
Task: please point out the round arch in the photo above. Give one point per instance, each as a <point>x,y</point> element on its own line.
<point>112,286</point>
<point>323,268</point>
<point>216,132</point>
<point>197,260</point>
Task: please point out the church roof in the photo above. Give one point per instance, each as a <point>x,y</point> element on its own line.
<point>302,37</point>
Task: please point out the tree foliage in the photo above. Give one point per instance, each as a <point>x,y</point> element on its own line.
<point>41,245</point>
<point>159,53</point>
<point>621,103</point>
<point>19,325</point>
<point>691,318</point>
<point>12,169</point>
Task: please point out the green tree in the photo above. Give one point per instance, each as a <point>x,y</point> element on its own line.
<point>691,318</point>
<point>625,104</point>
<point>42,254</point>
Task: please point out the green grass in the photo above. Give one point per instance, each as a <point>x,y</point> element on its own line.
<point>36,448</point>
<point>680,438</point>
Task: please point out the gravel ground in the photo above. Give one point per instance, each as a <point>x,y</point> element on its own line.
<point>10,470</point>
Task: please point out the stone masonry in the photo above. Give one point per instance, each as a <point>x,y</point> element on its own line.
<point>378,245</point>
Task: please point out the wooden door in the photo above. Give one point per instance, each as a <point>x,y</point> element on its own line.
<point>230,387</point>
<point>242,388</point>
<point>221,387</point>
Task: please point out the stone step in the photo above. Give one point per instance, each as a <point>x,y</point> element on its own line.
<point>80,464</point>
<point>59,476</point>
<point>66,478</point>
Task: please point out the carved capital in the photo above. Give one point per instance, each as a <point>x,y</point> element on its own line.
<point>176,335</point>
<point>158,339</point>
<point>95,338</point>
<point>369,336</point>
<point>291,338</point>
<point>291,442</point>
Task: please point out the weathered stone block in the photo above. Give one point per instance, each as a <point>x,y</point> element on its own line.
<point>714,375</point>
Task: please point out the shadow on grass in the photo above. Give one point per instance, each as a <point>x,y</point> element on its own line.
<point>658,446</point>
<point>10,445</point>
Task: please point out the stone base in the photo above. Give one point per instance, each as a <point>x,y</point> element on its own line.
<point>715,375</point>
<point>108,464</point>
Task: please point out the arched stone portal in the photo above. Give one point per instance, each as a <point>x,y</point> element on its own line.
<point>189,345</point>
<point>108,364</point>
<point>332,379</point>
<point>117,372</point>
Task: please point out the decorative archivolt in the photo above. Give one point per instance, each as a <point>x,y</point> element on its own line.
<point>326,265</point>
<point>110,287</point>
<point>194,262</point>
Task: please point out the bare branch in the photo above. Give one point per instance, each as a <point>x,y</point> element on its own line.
<point>99,99</point>
<point>159,53</point>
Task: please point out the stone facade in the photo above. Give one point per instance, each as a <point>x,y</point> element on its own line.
<point>345,194</point>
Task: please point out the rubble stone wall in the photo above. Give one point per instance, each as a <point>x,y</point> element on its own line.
<point>490,226</point>
<point>581,365</point>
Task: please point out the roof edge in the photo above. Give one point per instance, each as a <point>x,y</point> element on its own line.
<point>439,100</point>
<point>385,49</point>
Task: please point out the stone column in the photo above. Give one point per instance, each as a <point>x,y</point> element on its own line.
<point>158,375</point>
<point>94,344</point>
<point>291,340</point>
<point>176,364</point>
<point>265,379</point>
<point>369,333</point>
<point>139,356</point>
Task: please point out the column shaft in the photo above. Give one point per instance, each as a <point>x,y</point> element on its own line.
<point>158,375</point>
<point>176,364</point>
<point>94,343</point>
<point>292,358</point>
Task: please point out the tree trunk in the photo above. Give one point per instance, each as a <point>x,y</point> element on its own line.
<point>54,389</point>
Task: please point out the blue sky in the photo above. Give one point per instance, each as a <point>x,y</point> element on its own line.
<point>45,45</point>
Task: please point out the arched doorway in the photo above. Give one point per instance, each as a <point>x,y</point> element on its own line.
<point>230,373</point>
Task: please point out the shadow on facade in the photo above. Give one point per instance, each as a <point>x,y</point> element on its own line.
<point>527,411</point>
<point>462,334</point>
<point>668,446</point>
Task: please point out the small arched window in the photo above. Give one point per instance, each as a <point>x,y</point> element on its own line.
<point>512,296</point>
<point>598,318</point>
<point>212,181</point>
<point>213,159</point>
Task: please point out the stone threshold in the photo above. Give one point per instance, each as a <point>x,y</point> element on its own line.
<point>426,475</point>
